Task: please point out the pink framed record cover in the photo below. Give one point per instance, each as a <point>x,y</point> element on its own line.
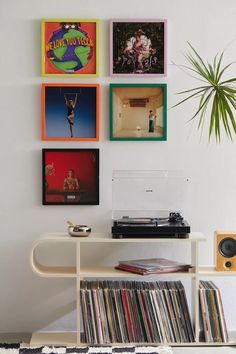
<point>138,48</point>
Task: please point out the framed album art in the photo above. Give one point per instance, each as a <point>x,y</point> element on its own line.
<point>70,176</point>
<point>70,112</point>
<point>138,111</point>
<point>138,47</point>
<point>69,47</point>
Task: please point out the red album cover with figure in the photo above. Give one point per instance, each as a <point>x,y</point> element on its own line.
<point>70,176</point>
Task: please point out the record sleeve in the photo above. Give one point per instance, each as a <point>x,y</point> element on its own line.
<point>146,315</point>
<point>127,315</point>
<point>91,317</point>
<point>205,314</point>
<point>156,314</point>
<point>140,315</point>
<point>183,322</point>
<point>97,316</point>
<point>176,311</point>
<point>109,315</point>
<point>84,314</point>
<point>137,323</point>
<point>135,270</point>
<point>215,312</point>
<point>155,264</point>
<point>103,315</point>
<point>143,316</point>
<point>159,318</point>
<point>222,322</point>
<point>170,309</point>
<point>117,312</point>
<point>210,311</point>
<point>165,314</point>
<point>113,312</point>
<point>154,321</point>
<point>185,311</point>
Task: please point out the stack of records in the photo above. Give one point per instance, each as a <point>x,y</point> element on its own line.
<point>152,266</point>
<point>212,314</point>
<point>135,312</point>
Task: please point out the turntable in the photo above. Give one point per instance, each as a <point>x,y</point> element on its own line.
<point>149,204</point>
<point>173,226</point>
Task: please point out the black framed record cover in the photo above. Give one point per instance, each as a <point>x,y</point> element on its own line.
<point>70,176</point>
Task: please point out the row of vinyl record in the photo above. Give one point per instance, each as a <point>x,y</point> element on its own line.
<point>212,313</point>
<point>135,312</point>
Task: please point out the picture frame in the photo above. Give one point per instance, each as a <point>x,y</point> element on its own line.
<point>138,48</point>
<point>70,176</point>
<point>70,47</point>
<point>138,112</point>
<point>70,112</point>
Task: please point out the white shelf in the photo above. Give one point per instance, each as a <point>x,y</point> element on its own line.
<point>79,272</point>
<point>111,272</point>
<point>70,339</point>
<point>99,272</point>
<point>53,338</point>
<point>50,271</point>
<point>107,238</point>
<point>55,272</point>
<point>210,271</point>
<point>70,272</point>
<point>232,341</point>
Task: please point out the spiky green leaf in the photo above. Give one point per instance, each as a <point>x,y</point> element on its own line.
<point>219,96</point>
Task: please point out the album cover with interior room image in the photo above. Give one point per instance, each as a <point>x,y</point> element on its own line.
<point>70,176</point>
<point>138,111</point>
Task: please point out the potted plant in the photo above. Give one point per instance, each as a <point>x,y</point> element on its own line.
<point>217,97</point>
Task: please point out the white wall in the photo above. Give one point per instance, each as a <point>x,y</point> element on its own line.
<point>30,303</point>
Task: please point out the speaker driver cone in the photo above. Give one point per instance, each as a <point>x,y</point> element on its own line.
<point>227,247</point>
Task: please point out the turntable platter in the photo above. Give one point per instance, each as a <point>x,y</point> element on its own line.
<point>136,221</point>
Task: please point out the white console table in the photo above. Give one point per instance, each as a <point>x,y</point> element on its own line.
<point>79,272</point>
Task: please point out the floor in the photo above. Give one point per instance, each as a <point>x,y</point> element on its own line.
<point>205,350</point>
<point>125,133</point>
<point>15,337</point>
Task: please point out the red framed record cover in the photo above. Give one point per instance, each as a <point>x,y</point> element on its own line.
<point>70,176</point>
<point>69,47</point>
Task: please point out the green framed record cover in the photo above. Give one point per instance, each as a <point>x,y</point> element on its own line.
<point>138,112</point>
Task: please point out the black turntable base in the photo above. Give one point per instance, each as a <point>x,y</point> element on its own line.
<point>173,226</point>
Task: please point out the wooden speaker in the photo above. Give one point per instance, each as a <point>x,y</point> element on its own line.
<point>225,249</point>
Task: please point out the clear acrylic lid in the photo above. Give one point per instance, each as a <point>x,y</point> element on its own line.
<point>147,193</point>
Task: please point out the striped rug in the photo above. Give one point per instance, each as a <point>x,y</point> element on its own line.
<point>23,349</point>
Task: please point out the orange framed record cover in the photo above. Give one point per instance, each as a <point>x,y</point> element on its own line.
<point>69,47</point>
<point>70,112</point>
